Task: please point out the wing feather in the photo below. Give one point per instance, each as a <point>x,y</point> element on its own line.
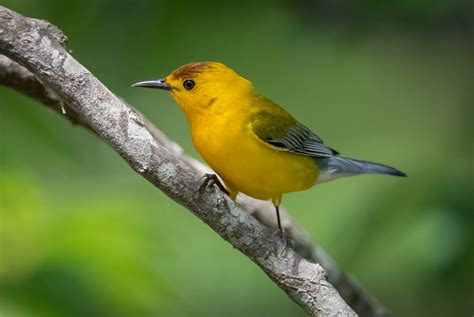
<point>273,125</point>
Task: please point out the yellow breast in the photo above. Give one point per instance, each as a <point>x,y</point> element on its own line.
<point>246,163</point>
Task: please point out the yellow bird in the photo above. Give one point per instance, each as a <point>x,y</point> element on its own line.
<point>253,144</point>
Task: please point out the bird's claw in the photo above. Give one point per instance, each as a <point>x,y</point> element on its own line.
<point>289,243</point>
<point>207,180</point>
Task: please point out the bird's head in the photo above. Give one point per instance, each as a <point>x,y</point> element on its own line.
<point>197,87</point>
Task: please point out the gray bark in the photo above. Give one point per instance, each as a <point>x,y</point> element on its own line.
<point>38,64</point>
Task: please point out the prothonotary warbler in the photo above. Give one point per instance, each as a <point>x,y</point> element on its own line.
<point>253,144</point>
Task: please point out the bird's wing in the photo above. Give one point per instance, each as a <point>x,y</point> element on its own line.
<point>278,129</point>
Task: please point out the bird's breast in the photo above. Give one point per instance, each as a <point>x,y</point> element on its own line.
<point>247,164</point>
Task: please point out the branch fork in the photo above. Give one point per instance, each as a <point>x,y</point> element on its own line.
<point>37,63</point>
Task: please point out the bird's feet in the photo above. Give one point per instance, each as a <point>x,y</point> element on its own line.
<point>207,180</point>
<point>289,243</point>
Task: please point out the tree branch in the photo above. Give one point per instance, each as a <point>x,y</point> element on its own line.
<point>52,76</point>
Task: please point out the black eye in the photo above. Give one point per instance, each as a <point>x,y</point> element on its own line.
<point>189,84</point>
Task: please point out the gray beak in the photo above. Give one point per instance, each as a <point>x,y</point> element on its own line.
<point>158,84</point>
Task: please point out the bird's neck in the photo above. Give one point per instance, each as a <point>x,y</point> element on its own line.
<point>219,107</point>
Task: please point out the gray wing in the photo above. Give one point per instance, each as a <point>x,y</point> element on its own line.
<point>301,140</point>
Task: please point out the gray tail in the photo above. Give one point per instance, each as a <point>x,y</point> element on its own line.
<point>335,166</point>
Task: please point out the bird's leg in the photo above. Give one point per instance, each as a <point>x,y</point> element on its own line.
<point>276,202</point>
<point>281,233</point>
<point>209,180</point>
<point>277,208</point>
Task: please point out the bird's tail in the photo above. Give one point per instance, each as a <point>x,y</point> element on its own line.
<point>335,166</point>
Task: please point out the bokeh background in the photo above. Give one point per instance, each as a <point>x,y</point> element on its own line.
<point>392,81</point>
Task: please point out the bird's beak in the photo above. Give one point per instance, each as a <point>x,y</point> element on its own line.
<point>158,84</point>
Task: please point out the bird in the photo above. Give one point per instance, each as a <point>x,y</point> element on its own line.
<point>253,144</point>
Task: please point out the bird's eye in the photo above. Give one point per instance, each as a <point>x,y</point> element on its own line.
<point>189,84</point>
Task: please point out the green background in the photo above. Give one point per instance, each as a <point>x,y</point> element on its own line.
<point>82,235</point>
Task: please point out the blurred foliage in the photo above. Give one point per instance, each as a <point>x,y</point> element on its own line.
<point>82,235</point>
